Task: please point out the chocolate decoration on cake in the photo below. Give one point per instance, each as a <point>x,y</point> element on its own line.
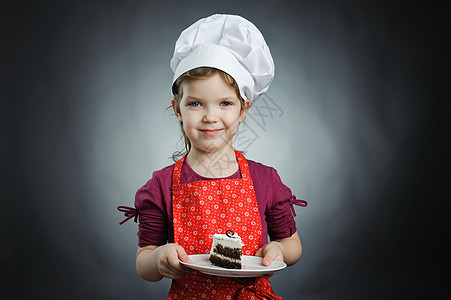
<point>230,233</point>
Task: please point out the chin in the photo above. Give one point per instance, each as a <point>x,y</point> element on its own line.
<point>214,147</point>
<point>211,149</point>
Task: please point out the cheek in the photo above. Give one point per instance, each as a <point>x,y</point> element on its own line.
<point>186,125</point>
<point>188,122</point>
<point>233,122</point>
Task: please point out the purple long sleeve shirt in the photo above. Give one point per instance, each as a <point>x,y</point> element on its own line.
<point>154,203</point>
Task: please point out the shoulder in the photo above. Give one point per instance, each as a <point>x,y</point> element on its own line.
<point>259,170</point>
<point>268,183</point>
<point>264,177</point>
<point>156,186</point>
<point>162,175</point>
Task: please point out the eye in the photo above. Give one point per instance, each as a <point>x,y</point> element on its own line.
<point>194,103</point>
<point>226,103</point>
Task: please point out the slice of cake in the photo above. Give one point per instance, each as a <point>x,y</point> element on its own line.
<point>226,250</point>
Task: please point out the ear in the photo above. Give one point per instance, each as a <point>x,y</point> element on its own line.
<point>176,110</point>
<point>244,109</point>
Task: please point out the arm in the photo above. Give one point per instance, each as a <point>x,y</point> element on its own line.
<point>155,262</point>
<point>288,250</point>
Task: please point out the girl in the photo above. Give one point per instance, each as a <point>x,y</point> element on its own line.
<point>221,64</point>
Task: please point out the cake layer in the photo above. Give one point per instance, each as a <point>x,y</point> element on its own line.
<point>224,262</point>
<point>226,258</point>
<point>228,252</point>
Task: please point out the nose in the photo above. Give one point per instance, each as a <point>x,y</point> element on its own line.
<point>210,115</point>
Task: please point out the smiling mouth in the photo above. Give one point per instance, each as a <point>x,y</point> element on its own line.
<point>211,132</point>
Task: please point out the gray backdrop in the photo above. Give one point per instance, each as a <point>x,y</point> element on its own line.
<point>355,123</point>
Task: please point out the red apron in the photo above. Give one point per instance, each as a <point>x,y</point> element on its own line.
<point>203,208</point>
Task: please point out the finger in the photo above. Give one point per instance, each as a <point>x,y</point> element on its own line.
<point>259,252</point>
<point>267,260</point>
<point>270,255</point>
<point>167,272</point>
<point>173,269</point>
<point>176,266</point>
<point>271,258</point>
<point>181,253</point>
<point>170,265</point>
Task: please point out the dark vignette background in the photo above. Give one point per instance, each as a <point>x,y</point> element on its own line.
<point>364,137</point>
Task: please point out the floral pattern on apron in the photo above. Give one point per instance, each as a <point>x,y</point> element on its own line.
<point>203,208</point>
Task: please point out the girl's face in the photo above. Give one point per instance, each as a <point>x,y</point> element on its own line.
<point>210,113</point>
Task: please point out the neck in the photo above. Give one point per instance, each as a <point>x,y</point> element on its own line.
<point>218,164</point>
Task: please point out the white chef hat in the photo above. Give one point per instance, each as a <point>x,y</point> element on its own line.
<point>231,44</point>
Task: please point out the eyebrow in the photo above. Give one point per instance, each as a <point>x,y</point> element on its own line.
<point>193,98</point>
<point>220,99</point>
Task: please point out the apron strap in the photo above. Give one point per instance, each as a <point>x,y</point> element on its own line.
<point>244,167</point>
<point>177,171</point>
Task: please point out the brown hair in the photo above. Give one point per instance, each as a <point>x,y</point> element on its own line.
<point>196,74</point>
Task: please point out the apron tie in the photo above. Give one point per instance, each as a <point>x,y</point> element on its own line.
<point>129,212</point>
<point>260,288</point>
<point>298,202</point>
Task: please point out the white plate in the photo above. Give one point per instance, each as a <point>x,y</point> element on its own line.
<point>251,266</point>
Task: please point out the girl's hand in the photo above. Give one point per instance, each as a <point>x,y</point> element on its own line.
<point>168,261</point>
<point>270,251</point>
